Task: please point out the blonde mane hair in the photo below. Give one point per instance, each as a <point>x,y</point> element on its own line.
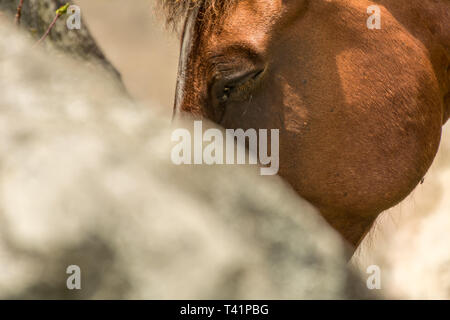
<point>176,11</point>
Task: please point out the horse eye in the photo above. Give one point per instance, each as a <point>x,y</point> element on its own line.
<point>226,94</point>
<point>230,87</point>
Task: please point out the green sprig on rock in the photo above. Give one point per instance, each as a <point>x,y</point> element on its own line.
<point>63,10</point>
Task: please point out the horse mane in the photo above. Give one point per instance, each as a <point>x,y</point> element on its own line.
<point>175,11</point>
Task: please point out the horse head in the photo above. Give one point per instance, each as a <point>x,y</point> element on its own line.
<point>359,109</point>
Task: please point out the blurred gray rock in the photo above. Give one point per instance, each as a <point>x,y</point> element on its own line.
<point>36,18</point>
<point>86,180</point>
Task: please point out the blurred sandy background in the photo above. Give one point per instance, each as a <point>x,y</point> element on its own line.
<point>135,40</point>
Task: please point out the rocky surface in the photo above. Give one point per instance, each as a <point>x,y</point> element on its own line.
<point>36,18</point>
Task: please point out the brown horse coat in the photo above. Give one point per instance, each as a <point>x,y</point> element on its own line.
<point>359,110</point>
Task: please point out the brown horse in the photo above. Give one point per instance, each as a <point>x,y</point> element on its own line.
<point>360,110</point>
